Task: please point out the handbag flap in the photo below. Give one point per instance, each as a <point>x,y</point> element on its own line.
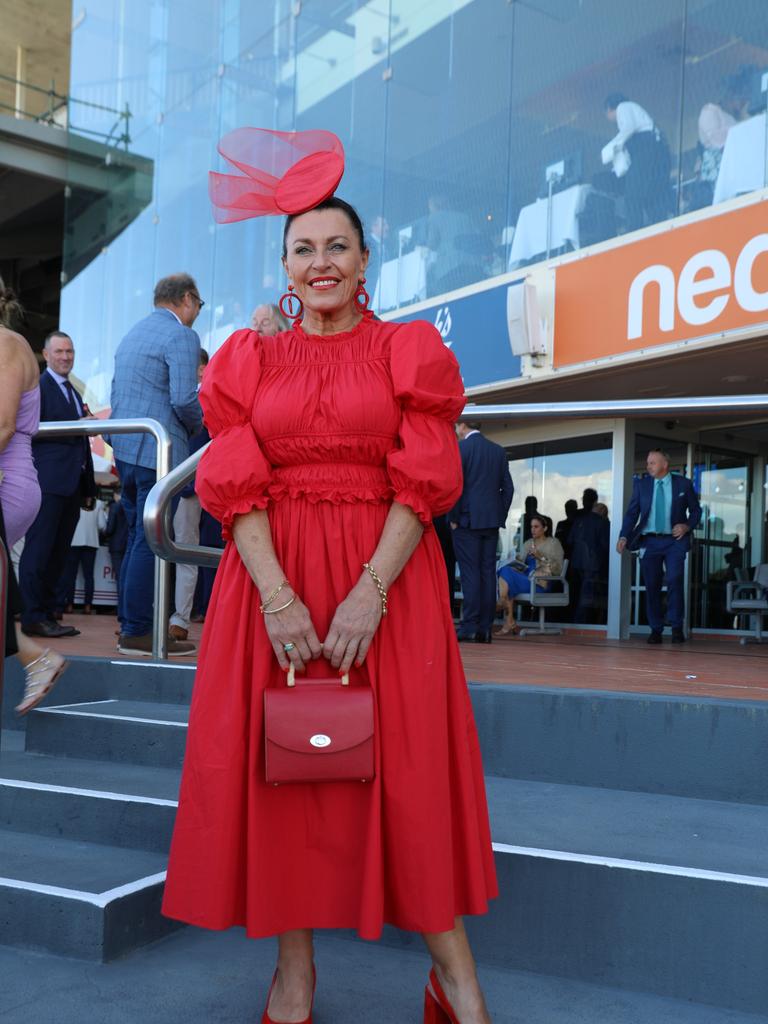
<point>336,717</point>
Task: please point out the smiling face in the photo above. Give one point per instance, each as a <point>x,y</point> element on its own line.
<point>59,354</point>
<point>324,261</point>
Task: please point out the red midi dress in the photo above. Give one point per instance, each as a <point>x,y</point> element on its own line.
<point>325,432</point>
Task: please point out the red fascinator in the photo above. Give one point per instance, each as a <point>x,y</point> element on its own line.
<point>282,173</point>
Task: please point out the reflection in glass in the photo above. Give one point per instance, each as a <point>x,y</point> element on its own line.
<point>549,477</point>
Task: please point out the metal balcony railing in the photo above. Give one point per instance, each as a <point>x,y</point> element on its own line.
<point>57,109</point>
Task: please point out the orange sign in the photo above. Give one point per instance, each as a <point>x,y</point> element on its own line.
<point>687,282</point>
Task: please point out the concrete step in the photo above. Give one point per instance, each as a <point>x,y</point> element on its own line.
<point>92,679</point>
<point>223,977</point>
<point>135,732</point>
<point>106,802</point>
<point>79,899</point>
<point>703,748</point>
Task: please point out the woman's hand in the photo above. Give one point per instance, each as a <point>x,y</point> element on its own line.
<point>353,625</point>
<point>293,625</point>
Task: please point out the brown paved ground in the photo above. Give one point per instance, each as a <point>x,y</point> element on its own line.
<point>704,667</point>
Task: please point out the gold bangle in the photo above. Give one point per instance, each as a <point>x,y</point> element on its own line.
<point>273,595</point>
<point>274,611</point>
<point>379,586</point>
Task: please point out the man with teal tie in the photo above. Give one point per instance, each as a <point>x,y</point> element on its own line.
<point>662,512</point>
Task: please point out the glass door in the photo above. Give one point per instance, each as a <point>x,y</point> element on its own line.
<point>723,482</point>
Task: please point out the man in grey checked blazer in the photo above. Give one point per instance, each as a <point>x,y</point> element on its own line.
<point>155,376</point>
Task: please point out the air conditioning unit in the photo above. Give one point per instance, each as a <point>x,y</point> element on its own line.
<point>529,313</point>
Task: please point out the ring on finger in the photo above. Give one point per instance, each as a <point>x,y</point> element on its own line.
<point>289,647</point>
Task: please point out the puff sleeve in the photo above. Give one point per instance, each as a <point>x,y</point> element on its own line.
<point>233,474</point>
<point>425,469</point>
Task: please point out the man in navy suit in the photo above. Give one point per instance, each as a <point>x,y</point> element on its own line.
<point>156,375</point>
<point>65,471</point>
<point>662,512</point>
<point>475,520</point>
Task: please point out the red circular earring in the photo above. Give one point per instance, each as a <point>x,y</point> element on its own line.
<point>362,298</point>
<point>290,299</point>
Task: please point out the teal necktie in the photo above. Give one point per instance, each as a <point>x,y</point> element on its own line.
<point>660,517</point>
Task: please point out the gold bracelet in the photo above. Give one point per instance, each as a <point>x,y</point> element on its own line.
<point>379,586</point>
<point>272,596</point>
<point>274,611</point>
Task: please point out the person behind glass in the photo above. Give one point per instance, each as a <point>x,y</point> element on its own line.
<point>661,514</point>
<point>563,529</point>
<point>156,376</point>
<point>716,121</point>
<point>589,542</point>
<point>475,520</point>
<point>268,320</point>
<point>65,471</point>
<point>639,153</point>
<point>447,233</point>
<point>376,237</point>
<point>333,448</point>
<point>531,506</point>
<point>20,496</point>
<point>543,556</point>
<point>82,555</point>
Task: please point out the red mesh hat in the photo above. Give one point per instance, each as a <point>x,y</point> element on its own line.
<point>282,173</point>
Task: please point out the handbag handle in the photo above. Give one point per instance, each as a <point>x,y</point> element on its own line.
<point>292,677</point>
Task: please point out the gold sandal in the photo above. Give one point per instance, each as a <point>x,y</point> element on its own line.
<point>40,677</point>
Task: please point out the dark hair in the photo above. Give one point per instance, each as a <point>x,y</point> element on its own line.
<point>172,289</point>
<point>204,357</point>
<point>334,203</point>
<point>11,311</point>
<point>589,497</point>
<point>55,334</point>
<point>613,99</point>
<point>542,520</point>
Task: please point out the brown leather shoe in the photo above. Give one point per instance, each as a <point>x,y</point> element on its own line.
<point>178,633</point>
<point>141,646</point>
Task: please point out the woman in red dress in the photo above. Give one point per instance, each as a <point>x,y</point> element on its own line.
<point>333,446</point>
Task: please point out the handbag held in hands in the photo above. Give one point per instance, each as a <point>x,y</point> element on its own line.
<point>318,730</point>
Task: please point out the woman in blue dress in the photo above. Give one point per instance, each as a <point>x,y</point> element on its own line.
<point>543,556</point>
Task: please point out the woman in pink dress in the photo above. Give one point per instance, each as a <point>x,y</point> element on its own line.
<point>19,489</point>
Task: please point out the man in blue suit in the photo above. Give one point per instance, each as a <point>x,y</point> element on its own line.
<point>156,367</point>
<point>65,472</point>
<point>662,512</point>
<point>475,520</point>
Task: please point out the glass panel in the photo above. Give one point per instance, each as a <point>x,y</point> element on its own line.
<point>569,482</point>
<point>447,146</point>
<point>569,56</point>
<point>726,60</point>
<point>723,483</point>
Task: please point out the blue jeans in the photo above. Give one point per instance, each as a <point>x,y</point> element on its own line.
<point>136,595</point>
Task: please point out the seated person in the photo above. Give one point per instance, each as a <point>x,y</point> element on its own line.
<point>543,556</point>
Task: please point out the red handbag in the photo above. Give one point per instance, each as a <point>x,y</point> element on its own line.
<point>320,730</point>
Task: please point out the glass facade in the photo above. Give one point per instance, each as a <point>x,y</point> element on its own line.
<point>474,132</point>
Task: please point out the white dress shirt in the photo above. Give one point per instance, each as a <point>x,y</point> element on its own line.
<point>62,382</point>
<point>631,119</point>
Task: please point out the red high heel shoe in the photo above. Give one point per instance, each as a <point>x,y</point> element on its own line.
<point>266,1019</point>
<point>437,1009</point>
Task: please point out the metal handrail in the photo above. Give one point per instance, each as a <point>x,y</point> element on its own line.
<point>94,427</point>
<point>160,497</point>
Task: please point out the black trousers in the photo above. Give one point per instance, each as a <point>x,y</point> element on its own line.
<point>77,557</point>
<point>647,190</point>
<point>476,555</point>
<point>45,553</point>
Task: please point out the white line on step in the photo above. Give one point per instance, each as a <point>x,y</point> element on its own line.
<point>79,704</point>
<point>98,793</point>
<point>635,865</point>
<point>96,899</point>
<point>111,718</point>
<point>154,664</point>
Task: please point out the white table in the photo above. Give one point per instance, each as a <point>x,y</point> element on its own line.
<point>531,232</point>
<point>402,281</point>
<point>742,168</point>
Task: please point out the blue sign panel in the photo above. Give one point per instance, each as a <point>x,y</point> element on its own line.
<point>475,329</point>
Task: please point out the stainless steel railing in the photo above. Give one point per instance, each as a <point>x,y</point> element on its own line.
<point>161,495</point>
<point>91,428</point>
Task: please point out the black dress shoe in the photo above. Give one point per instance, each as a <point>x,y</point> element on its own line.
<point>654,637</point>
<point>465,638</point>
<point>52,630</point>
<point>482,638</point>
<point>678,636</point>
